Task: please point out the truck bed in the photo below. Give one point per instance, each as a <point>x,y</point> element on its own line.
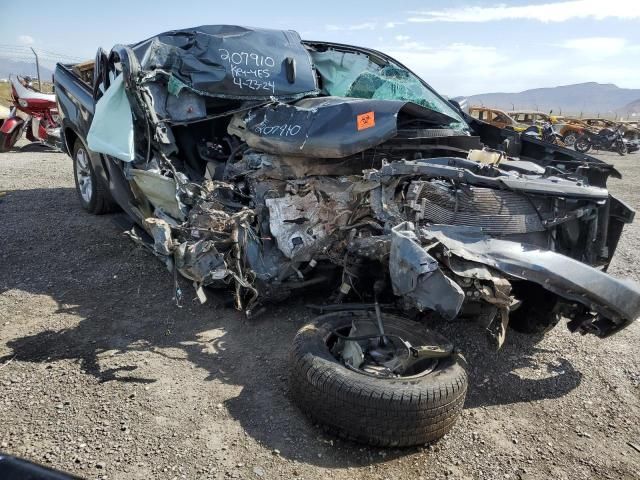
<point>75,101</point>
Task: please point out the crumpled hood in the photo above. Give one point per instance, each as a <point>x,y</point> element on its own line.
<point>326,127</point>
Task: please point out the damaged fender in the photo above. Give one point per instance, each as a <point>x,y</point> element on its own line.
<point>617,302</point>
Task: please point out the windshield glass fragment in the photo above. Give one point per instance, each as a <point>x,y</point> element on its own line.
<point>355,75</point>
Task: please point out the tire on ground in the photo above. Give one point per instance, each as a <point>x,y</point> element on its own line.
<point>378,411</point>
<point>101,200</point>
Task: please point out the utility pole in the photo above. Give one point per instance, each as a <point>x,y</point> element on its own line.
<point>37,69</point>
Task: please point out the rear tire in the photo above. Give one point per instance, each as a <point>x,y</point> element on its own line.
<point>582,145</point>
<point>94,196</point>
<point>387,412</point>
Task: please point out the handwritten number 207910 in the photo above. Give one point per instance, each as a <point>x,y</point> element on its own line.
<point>246,58</point>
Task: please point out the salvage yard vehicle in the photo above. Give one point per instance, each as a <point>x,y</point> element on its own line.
<point>629,133</point>
<point>628,130</point>
<point>545,132</point>
<point>632,129</point>
<point>496,117</point>
<point>540,125</point>
<point>599,123</point>
<point>607,139</point>
<point>570,129</point>
<point>257,162</point>
<point>532,117</point>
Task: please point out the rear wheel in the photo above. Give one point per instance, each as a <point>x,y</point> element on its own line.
<point>93,194</point>
<point>415,407</point>
<point>582,144</point>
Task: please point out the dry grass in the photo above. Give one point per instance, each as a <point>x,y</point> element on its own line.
<point>5,94</point>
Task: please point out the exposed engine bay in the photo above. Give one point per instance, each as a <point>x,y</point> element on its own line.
<point>263,164</point>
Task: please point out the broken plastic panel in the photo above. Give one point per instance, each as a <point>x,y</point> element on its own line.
<point>160,191</point>
<point>416,275</point>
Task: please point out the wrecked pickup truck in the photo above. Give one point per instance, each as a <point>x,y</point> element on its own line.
<point>263,164</point>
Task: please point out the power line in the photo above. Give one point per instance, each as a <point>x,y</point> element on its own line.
<point>41,55</point>
<point>41,52</point>
<point>29,58</point>
<point>61,55</point>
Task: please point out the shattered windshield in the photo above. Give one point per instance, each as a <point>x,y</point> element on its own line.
<point>347,74</point>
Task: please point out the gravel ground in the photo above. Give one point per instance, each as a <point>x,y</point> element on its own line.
<point>102,376</point>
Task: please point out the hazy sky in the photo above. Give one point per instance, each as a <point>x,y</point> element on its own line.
<point>460,47</point>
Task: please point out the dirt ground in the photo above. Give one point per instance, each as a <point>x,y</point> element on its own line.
<point>102,376</point>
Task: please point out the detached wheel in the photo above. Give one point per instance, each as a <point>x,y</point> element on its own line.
<point>93,194</point>
<point>416,407</point>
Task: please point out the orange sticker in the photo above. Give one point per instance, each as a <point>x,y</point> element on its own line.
<point>366,120</point>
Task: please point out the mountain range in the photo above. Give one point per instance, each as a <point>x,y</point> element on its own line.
<point>16,67</point>
<point>591,98</point>
<point>630,109</point>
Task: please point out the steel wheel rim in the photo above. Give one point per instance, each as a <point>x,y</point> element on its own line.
<point>425,367</point>
<point>581,144</point>
<point>83,175</point>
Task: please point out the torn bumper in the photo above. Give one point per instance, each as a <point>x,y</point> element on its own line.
<point>608,304</point>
